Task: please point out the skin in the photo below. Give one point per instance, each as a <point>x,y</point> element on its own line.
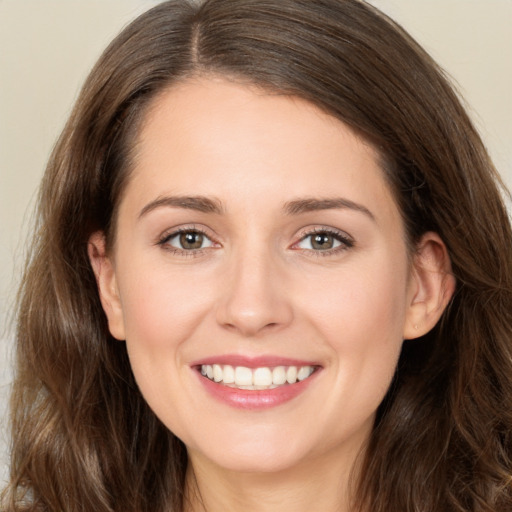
<point>258,287</point>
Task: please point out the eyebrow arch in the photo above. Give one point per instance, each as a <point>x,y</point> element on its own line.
<point>311,204</point>
<point>198,203</point>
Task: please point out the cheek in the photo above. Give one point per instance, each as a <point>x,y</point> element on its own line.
<point>360,315</point>
<point>161,310</point>
<point>367,302</point>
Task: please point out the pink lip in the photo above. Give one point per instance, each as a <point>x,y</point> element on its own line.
<point>254,399</point>
<point>253,362</point>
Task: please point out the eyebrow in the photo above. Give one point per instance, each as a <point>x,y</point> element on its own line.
<point>312,204</point>
<point>197,203</point>
<point>205,204</point>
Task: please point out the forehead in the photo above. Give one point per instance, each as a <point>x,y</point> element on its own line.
<point>209,136</point>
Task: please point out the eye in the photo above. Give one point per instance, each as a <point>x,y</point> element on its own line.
<point>187,240</point>
<point>324,240</point>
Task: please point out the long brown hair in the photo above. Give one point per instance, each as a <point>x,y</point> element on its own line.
<point>84,438</point>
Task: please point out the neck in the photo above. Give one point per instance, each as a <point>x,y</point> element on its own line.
<point>313,485</point>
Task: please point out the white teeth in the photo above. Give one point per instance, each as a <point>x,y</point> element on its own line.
<point>228,374</point>
<point>257,378</point>
<point>217,373</point>
<point>262,377</point>
<point>291,374</point>
<point>304,372</point>
<point>279,375</point>
<point>243,376</point>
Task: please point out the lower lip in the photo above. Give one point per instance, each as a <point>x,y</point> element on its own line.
<point>255,399</point>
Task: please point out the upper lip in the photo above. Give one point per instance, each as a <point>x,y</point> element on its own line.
<point>270,361</point>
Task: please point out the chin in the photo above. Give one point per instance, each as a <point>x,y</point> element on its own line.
<point>263,456</point>
<point>242,463</point>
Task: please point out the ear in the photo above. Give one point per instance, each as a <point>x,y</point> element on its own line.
<point>431,286</point>
<point>104,271</point>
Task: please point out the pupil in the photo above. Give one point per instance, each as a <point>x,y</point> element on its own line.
<point>191,240</point>
<point>322,242</point>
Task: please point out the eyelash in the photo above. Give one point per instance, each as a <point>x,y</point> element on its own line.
<point>345,241</point>
<point>164,241</point>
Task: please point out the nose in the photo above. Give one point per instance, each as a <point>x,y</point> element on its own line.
<point>253,297</point>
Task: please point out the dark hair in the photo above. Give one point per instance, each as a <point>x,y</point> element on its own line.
<point>84,438</point>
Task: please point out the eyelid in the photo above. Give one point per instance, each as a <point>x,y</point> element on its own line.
<point>181,228</point>
<point>170,233</point>
<point>346,240</point>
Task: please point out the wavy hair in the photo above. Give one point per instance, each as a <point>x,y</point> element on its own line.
<point>83,437</point>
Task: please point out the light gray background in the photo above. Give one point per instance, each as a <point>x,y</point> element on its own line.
<point>48,46</point>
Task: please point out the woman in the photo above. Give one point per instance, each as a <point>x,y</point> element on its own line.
<point>272,271</point>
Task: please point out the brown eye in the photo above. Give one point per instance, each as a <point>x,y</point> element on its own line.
<point>325,241</point>
<point>322,241</point>
<point>187,241</point>
<point>191,240</point>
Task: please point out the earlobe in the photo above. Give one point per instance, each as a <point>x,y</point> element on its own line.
<point>103,269</point>
<point>431,286</point>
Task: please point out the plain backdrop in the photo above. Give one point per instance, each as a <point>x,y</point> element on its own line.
<point>48,46</point>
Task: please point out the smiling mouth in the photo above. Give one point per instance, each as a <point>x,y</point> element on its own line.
<point>261,378</point>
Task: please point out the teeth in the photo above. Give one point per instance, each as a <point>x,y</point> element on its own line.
<point>304,372</point>
<point>291,374</point>
<point>243,376</point>
<point>257,378</point>
<point>228,375</point>
<point>279,375</point>
<point>262,377</point>
<point>217,373</point>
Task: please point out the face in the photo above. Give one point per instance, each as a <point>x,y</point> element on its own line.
<point>259,276</point>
